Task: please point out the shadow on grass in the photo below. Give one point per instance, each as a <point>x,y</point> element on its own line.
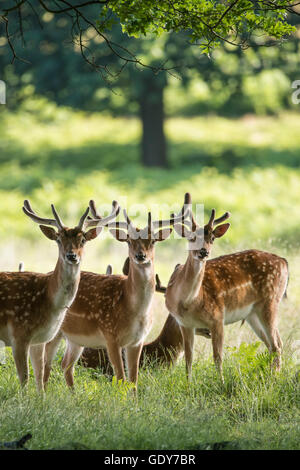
<point>27,171</point>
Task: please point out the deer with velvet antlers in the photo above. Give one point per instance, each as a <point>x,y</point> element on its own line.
<point>247,285</point>
<point>113,311</point>
<point>33,305</point>
<point>166,349</point>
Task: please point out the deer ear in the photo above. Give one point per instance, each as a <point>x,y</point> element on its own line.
<point>49,232</point>
<point>163,234</point>
<point>119,235</point>
<point>221,230</point>
<point>93,233</point>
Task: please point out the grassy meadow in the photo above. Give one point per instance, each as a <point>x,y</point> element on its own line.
<point>249,166</point>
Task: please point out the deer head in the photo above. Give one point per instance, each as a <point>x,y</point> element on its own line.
<point>201,238</point>
<point>141,241</point>
<point>70,241</point>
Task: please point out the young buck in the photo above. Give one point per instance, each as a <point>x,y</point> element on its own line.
<point>247,285</point>
<point>166,349</point>
<point>33,305</point>
<point>113,311</point>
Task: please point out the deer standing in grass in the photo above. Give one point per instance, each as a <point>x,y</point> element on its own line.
<point>166,349</point>
<point>33,305</point>
<point>247,285</point>
<point>114,311</point>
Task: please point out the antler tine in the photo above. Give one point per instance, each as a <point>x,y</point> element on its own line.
<point>103,221</point>
<point>83,219</point>
<point>222,218</point>
<point>127,217</point>
<point>212,218</point>
<point>180,229</point>
<point>57,218</point>
<point>187,199</point>
<point>181,217</point>
<point>188,202</point>
<point>194,223</point>
<point>27,209</point>
<point>28,206</point>
<point>94,210</point>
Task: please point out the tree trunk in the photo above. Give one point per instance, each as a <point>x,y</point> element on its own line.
<point>154,148</point>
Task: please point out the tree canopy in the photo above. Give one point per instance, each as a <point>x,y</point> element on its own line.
<point>208,23</point>
<point>114,36</point>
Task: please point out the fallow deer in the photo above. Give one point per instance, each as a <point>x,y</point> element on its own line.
<point>166,349</point>
<point>113,311</point>
<point>246,285</point>
<point>33,305</point>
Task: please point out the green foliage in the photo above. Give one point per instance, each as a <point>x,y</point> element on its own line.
<point>209,23</point>
<point>255,80</point>
<point>249,360</point>
<point>268,91</point>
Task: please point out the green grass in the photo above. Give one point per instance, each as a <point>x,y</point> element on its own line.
<point>254,410</point>
<point>249,167</point>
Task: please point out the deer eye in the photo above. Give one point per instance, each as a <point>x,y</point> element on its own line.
<point>83,241</point>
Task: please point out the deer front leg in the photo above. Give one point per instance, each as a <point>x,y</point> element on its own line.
<point>37,353</point>
<point>115,356</point>
<point>217,336</point>
<point>50,352</point>
<point>133,354</point>
<point>188,344</point>
<point>20,353</point>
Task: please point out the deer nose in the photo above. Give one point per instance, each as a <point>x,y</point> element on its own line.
<point>140,256</point>
<point>203,253</point>
<point>71,256</point>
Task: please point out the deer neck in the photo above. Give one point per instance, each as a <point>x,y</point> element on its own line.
<point>63,284</point>
<point>191,279</point>
<point>140,282</point>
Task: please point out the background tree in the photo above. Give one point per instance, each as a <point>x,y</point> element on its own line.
<point>56,35</point>
<point>54,66</point>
